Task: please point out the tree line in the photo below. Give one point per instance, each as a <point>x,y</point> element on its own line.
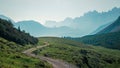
<point>10,33</point>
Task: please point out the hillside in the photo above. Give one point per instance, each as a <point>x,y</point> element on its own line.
<point>84,56</point>
<point>10,33</point>
<point>11,57</point>
<point>114,27</point>
<point>109,40</point>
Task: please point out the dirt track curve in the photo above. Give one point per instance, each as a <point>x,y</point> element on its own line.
<point>55,63</point>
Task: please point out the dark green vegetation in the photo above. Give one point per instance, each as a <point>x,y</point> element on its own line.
<point>109,40</point>
<point>114,27</point>
<point>11,57</point>
<point>84,56</point>
<point>10,33</point>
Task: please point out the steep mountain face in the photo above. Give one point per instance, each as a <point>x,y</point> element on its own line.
<point>114,27</point>
<point>100,28</point>
<point>89,22</point>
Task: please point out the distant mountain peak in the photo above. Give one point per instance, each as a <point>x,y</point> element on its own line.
<point>91,13</point>
<point>28,21</point>
<point>116,8</point>
<point>68,18</point>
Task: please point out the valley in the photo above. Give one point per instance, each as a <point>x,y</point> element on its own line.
<point>72,37</point>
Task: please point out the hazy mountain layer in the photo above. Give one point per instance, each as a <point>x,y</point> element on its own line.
<point>77,27</point>
<point>89,22</point>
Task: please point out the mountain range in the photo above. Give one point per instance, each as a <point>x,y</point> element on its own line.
<point>108,37</point>
<point>77,27</point>
<point>89,22</point>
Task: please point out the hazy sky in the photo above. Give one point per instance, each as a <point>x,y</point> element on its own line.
<point>42,10</point>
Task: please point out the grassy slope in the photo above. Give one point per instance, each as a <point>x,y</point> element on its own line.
<point>11,57</point>
<point>109,40</point>
<point>79,54</point>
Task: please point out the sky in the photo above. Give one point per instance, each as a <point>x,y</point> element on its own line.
<point>56,10</point>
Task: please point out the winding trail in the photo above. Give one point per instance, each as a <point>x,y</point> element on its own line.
<point>55,63</point>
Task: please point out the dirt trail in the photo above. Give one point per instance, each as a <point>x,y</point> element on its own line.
<point>54,62</point>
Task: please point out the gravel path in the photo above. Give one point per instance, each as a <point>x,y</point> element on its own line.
<point>55,63</point>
